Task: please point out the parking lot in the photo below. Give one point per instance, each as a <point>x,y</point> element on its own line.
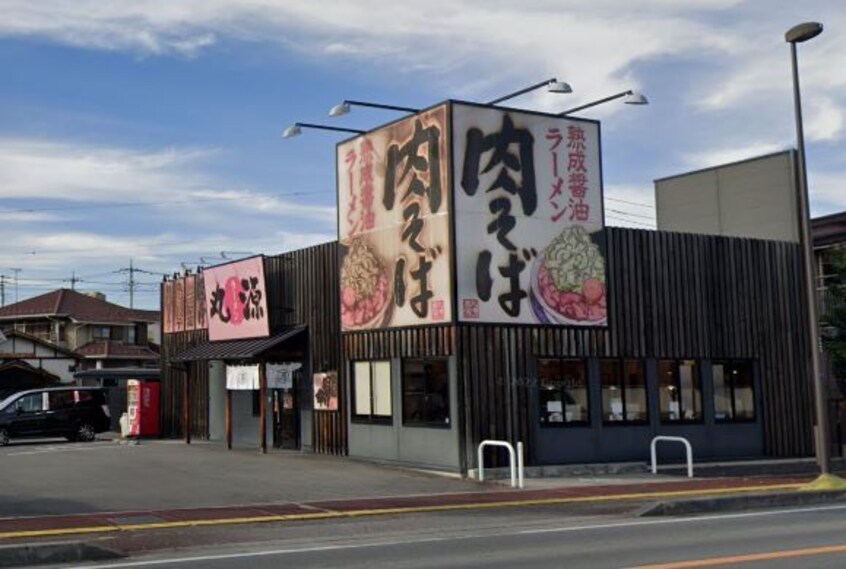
<point>52,477</point>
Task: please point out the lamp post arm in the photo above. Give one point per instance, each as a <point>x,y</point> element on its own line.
<point>820,395</point>
<point>335,128</point>
<point>381,106</point>
<point>521,91</point>
<point>594,103</point>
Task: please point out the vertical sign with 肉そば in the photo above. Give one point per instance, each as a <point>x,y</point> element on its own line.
<point>528,218</point>
<point>393,223</point>
<point>237,302</point>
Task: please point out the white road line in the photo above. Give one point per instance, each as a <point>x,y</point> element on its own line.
<point>55,449</point>
<point>691,519</point>
<point>271,552</point>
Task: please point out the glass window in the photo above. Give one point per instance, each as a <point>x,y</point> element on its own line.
<point>680,390</point>
<point>623,391</point>
<point>101,332</point>
<point>425,392</point>
<point>563,392</point>
<point>372,391</point>
<point>60,400</point>
<point>31,403</point>
<point>734,391</point>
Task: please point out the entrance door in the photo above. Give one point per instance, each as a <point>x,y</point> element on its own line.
<point>286,416</point>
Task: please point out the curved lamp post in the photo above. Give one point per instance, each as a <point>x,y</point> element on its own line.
<point>799,34</point>
<point>552,86</point>
<point>296,129</point>
<point>631,98</point>
<point>345,107</point>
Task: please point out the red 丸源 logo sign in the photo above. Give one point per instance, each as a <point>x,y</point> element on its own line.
<point>237,300</point>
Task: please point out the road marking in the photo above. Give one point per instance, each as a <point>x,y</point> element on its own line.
<point>691,519</point>
<point>64,448</point>
<point>390,543</point>
<point>748,558</point>
<point>332,514</point>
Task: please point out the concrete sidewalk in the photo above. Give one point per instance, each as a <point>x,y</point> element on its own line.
<point>60,489</point>
<point>487,496</point>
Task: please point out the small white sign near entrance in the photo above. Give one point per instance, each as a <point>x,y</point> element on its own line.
<point>242,378</point>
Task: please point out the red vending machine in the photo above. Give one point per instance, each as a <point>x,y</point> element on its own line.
<point>142,408</point>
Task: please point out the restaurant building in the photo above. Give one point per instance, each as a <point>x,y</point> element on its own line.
<point>475,293</point>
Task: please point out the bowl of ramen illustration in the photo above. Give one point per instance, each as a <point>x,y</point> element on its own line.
<point>365,287</point>
<point>568,280</point>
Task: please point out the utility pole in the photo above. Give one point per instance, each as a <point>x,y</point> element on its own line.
<point>3,290</point>
<point>131,284</point>
<point>16,271</point>
<point>74,280</point>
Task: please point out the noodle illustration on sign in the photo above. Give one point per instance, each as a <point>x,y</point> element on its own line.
<point>365,287</point>
<point>569,279</point>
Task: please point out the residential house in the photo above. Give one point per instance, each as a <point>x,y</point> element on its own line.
<point>28,362</point>
<point>101,333</point>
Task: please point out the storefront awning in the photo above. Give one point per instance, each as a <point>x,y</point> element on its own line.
<point>237,349</point>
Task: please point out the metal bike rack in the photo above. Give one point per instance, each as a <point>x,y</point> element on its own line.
<point>516,471</point>
<point>689,452</point>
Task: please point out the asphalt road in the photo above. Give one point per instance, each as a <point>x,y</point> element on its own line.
<point>537,537</point>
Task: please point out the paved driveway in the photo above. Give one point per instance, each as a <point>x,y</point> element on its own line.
<point>57,478</point>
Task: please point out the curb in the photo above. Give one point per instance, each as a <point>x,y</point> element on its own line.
<point>743,502</point>
<point>50,553</point>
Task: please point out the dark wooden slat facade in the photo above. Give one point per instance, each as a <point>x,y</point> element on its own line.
<point>302,289</point>
<point>673,296</point>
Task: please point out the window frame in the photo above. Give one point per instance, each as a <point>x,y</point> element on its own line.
<point>585,423</point>
<point>698,367</point>
<point>731,387</point>
<point>624,388</point>
<point>422,423</point>
<point>372,418</point>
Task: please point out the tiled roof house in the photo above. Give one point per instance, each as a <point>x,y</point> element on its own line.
<point>104,334</point>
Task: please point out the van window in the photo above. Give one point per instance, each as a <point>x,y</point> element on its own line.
<point>60,400</point>
<point>83,396</point>
<point>31,403</point>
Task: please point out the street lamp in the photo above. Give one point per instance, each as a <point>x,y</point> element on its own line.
<point>631,98</point>
<point>345,107</point>
<point>296,129</point>
<point>799,34</point>
<point>552,86</point>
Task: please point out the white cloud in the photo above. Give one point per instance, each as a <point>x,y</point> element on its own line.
<point>73,172</point>
<point>826,120</point>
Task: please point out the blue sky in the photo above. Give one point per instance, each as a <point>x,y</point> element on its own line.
<point>150,130</point>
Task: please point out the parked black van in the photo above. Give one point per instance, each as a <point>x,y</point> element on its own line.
<point>76,413</point>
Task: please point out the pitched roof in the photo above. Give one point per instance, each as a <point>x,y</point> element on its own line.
<point>78,306</point>
<point>110,349</point>
<point>237,349</point>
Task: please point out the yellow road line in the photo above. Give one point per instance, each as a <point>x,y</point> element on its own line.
<point>389,511</point>
<point>784,554</point>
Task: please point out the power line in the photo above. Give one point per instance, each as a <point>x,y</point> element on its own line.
<point>631,221</point>
<point>631,203</point>
<point>631,214</point>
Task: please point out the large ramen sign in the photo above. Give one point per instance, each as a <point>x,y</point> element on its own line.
<point>509,232</point>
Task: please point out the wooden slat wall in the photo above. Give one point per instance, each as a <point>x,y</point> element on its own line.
<point>670,296</point>
<point>716,297</point>
<point>301,289</point>
<point>304,286</point>
<point>172,395</point>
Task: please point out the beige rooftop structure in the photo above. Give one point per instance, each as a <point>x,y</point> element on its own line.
<point>752,198</point>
